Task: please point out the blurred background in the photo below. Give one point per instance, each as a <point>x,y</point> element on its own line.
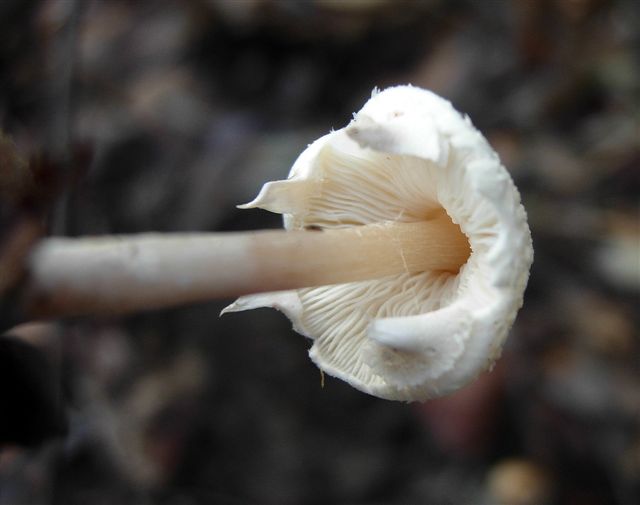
<point>154,115</point>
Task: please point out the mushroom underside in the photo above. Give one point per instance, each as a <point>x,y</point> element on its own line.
<point>353,186</point>
<point>407,156</point>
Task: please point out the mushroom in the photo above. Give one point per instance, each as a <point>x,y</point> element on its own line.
<point>407,290</point>
<point>407,157</point>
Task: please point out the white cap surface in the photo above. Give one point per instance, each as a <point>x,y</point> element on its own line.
<point>406,156</point>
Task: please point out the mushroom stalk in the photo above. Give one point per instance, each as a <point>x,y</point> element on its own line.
<point>113,275</point>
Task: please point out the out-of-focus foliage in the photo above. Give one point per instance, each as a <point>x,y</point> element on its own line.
<point>186,108</point>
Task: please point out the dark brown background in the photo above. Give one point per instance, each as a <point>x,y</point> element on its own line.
<point>181,110</point>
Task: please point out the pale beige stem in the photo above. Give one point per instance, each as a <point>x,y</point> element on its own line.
<point>125,274</point>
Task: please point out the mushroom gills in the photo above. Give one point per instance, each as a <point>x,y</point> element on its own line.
<point>350,186</point>
<point>407,157</point>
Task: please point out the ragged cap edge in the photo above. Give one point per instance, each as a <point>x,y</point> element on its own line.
<point>286,302</point>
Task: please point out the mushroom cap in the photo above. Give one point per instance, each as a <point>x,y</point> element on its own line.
<point>407,155</point>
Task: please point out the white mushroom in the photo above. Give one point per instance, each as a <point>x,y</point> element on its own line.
<point>409,291</point>
<point>408,156</point>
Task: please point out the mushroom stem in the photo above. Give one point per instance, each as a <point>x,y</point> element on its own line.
<point>123,274</point>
